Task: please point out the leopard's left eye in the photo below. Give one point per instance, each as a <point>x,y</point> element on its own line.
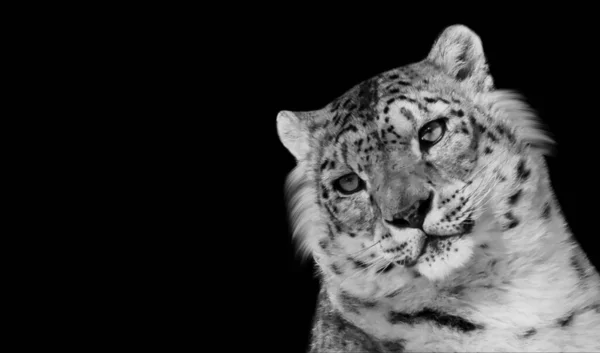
<point>432,132</point>
<point>349,184</point>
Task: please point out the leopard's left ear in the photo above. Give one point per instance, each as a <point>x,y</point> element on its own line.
<point>458,51</point>
<point>293,133</point>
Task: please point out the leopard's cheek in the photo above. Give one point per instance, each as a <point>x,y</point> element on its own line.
<point>353,214</point>
<point>360,215</point>
<point>458,154</point>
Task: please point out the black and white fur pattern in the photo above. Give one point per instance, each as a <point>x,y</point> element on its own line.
<point>492,268</point>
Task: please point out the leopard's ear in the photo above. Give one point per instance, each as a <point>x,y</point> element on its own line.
<point>293,133</point>
<point>459,52</point>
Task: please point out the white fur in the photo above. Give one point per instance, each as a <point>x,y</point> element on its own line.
<point>307,224</point>
<point>509,106</point>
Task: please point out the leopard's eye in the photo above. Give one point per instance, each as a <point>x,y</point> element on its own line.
<point>349,184</point>
<point>432,132</point>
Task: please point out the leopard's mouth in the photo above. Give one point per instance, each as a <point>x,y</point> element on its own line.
<point>432,243</point>
<point>428,244</point>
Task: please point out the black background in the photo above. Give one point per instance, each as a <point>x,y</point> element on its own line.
<point>301,64</point>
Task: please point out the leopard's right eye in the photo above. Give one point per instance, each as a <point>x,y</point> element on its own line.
<point>349,184</point>
<point>432,133</point>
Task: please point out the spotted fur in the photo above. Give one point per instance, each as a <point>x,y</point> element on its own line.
<point>453,244</point>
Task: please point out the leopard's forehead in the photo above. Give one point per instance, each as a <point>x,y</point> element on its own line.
<point>416,92</point>
<point>383,114</point>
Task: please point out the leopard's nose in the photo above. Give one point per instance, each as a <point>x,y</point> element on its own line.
<point>412,216</point>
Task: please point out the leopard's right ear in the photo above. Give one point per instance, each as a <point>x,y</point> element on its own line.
<point>294,133</point>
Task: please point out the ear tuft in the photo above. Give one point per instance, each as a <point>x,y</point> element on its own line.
<point>459,52</point>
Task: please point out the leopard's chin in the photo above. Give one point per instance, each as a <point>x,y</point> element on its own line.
<point>440,256</point>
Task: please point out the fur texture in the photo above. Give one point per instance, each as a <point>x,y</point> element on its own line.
<point>449,237</point>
